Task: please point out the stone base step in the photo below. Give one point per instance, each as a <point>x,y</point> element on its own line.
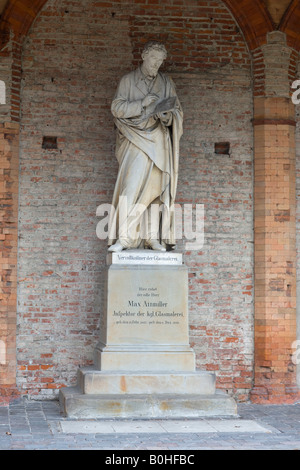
<point>75,404</point>
<point>95,382</point>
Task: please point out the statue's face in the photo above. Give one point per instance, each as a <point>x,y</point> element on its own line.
<point>152,62</point>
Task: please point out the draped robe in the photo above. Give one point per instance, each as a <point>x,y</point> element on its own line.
<point>147,150</point>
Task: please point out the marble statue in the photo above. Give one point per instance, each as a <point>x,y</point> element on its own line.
<point>148,117</point>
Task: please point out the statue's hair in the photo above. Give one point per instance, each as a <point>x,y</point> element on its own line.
<point>155,45</point>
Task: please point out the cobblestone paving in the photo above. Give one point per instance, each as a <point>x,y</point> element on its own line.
<point>36,425</point>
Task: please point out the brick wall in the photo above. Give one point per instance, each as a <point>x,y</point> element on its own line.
<point>72,60</point>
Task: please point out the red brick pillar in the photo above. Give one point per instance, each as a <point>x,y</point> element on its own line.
<point>275,378</point>
<point>9,180</point>
<point>9,149</point>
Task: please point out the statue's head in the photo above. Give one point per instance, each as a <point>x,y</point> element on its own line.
<point>154,54</point>
<point>154,46</point>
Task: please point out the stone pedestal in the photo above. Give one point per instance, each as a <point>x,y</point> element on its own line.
<point>144,366</point>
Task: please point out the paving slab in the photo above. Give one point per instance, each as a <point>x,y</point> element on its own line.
<point>162,427</point>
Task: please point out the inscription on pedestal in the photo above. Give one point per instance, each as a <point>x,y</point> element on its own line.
<point>144,308</point>
<point>147,308</point>
<point>145,326</point>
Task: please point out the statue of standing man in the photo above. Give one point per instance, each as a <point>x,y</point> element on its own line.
<point>148,117</point>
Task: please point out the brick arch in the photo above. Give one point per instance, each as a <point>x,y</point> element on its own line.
<point>253,18</point>
<point>20,14</point>
<point>251,15</point>
<point>290,24</point>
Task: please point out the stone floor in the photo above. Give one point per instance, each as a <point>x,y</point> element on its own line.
<point>39,425</point>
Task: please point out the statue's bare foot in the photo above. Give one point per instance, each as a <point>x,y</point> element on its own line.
<point>155,245</point>
<point>117,247</point>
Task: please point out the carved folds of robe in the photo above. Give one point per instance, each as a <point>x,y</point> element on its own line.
<point>147,150</point>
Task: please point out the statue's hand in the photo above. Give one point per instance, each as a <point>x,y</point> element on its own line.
<point>149,99</point>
